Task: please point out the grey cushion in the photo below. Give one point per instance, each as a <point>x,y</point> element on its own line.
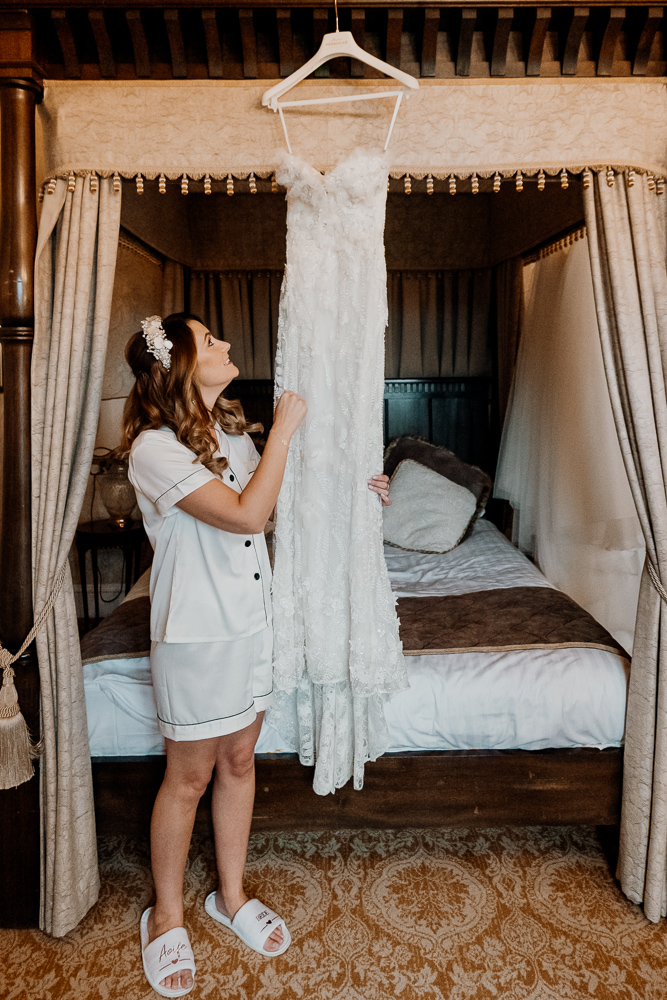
<point>428,512</point>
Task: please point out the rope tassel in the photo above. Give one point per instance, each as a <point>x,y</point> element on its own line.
<point>17,750</point>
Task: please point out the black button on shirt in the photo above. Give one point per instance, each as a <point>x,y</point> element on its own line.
<point>257,576</point>
<point>231,477</point>
<point>247,544</point>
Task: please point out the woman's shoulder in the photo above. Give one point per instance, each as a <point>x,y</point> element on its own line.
<point>154,437</point>
<point>157,440</point>
<point>158,461</point>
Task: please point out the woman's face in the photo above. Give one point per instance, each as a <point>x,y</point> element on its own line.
<point>215,370</point>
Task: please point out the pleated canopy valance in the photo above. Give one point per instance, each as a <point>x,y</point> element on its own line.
<point>449,127</point>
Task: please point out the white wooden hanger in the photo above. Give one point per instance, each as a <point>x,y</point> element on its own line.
<point>335,44</point>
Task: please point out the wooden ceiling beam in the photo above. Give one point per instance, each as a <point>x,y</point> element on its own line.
<point>654,17</point>
<point>284,24</point>
<point>17,48</point>
<point>176,45</point>
<point>394,37</point>
<point>501,41</point>
<point>213,47</point>
<point>103,42</point>
<point>430,40</point>
<point>320,28</point>
<point>537,38</point>
<point>609,39</point>
<point>232,45</point>
<point>142,60</point>
<point>357,68</point>
<point>273,4</point>
<point>464,50</point>
<point>248,43</point>
<point>67,44</point>
<point>573,41</point>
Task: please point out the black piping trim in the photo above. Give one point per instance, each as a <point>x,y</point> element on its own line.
<point>266,617</point>
<point>220,718</point>
<point>234,475</point>
<point>179,483</point>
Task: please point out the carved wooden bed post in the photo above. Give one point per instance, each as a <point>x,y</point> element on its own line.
<point>20,89</point>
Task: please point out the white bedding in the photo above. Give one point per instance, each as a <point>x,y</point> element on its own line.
<point>527,699</point>
<point>486,561</point>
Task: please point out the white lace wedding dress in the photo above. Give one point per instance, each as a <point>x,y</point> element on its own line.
<point>337,654</point>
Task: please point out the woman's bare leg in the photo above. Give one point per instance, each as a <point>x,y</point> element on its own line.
<point>189,769</point>
<point>233,799</point>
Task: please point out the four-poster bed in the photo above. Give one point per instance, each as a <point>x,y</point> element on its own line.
<point>224,134</point>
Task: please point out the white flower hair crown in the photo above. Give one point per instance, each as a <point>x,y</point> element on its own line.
<point>156,341</point>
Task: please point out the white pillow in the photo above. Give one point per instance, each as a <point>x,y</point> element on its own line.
<point>428,512</point>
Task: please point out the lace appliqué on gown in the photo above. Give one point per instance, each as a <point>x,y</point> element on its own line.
<point>337,653</point>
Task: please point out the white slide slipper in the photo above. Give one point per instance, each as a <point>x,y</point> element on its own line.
<point>253,924</point>
<point>166,955</point>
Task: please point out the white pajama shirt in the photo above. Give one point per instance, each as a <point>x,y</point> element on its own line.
<point>211,634</point>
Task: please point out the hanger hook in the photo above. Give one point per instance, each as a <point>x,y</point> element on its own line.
<point>336,10</point>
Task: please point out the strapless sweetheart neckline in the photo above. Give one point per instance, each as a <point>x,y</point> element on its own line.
<point>358,154</point>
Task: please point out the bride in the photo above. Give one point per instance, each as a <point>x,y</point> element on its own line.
<point>205,496</point>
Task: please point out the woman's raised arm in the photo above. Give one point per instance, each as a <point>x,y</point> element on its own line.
<point>247,512</point>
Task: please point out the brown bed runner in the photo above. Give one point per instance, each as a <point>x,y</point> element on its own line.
<point>485,621</point>
<point>497,620</point>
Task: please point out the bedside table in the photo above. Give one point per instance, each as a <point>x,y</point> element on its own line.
<point>94,535</point>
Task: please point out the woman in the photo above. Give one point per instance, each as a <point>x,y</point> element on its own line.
<point>205,496</point>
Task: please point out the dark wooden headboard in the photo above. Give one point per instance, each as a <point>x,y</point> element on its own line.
<point>455,412</point>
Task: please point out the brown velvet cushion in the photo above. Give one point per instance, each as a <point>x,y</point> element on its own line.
<point>443,461</point>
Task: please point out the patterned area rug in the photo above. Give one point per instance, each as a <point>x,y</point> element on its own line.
<point>526,914</point>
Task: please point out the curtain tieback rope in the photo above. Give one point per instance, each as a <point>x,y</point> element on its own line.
<point>655,579</point>
<point>17,751</point>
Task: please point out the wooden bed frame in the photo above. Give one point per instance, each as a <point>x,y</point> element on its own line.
<point>421,789</point>
<point>439,788</point>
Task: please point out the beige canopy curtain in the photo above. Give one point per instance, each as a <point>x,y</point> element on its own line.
<point>509,312</point>
<point>626,235</point>
<point>173,288</point>
<point>440,323</point>
<point>560,463</point>
<point>241,307</point>
<point>74,275</point>
<point>449,126</point>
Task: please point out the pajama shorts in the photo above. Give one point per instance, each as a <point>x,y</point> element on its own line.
<point>208,689</point>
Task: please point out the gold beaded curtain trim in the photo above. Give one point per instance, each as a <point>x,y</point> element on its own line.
<point>563,243</point>
<point>454,183</point>
<point>555,245</point>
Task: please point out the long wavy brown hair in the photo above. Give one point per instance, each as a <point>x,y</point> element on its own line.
<point>163,397</point>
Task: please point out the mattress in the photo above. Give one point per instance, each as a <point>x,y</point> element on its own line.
<point>524,699</point>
